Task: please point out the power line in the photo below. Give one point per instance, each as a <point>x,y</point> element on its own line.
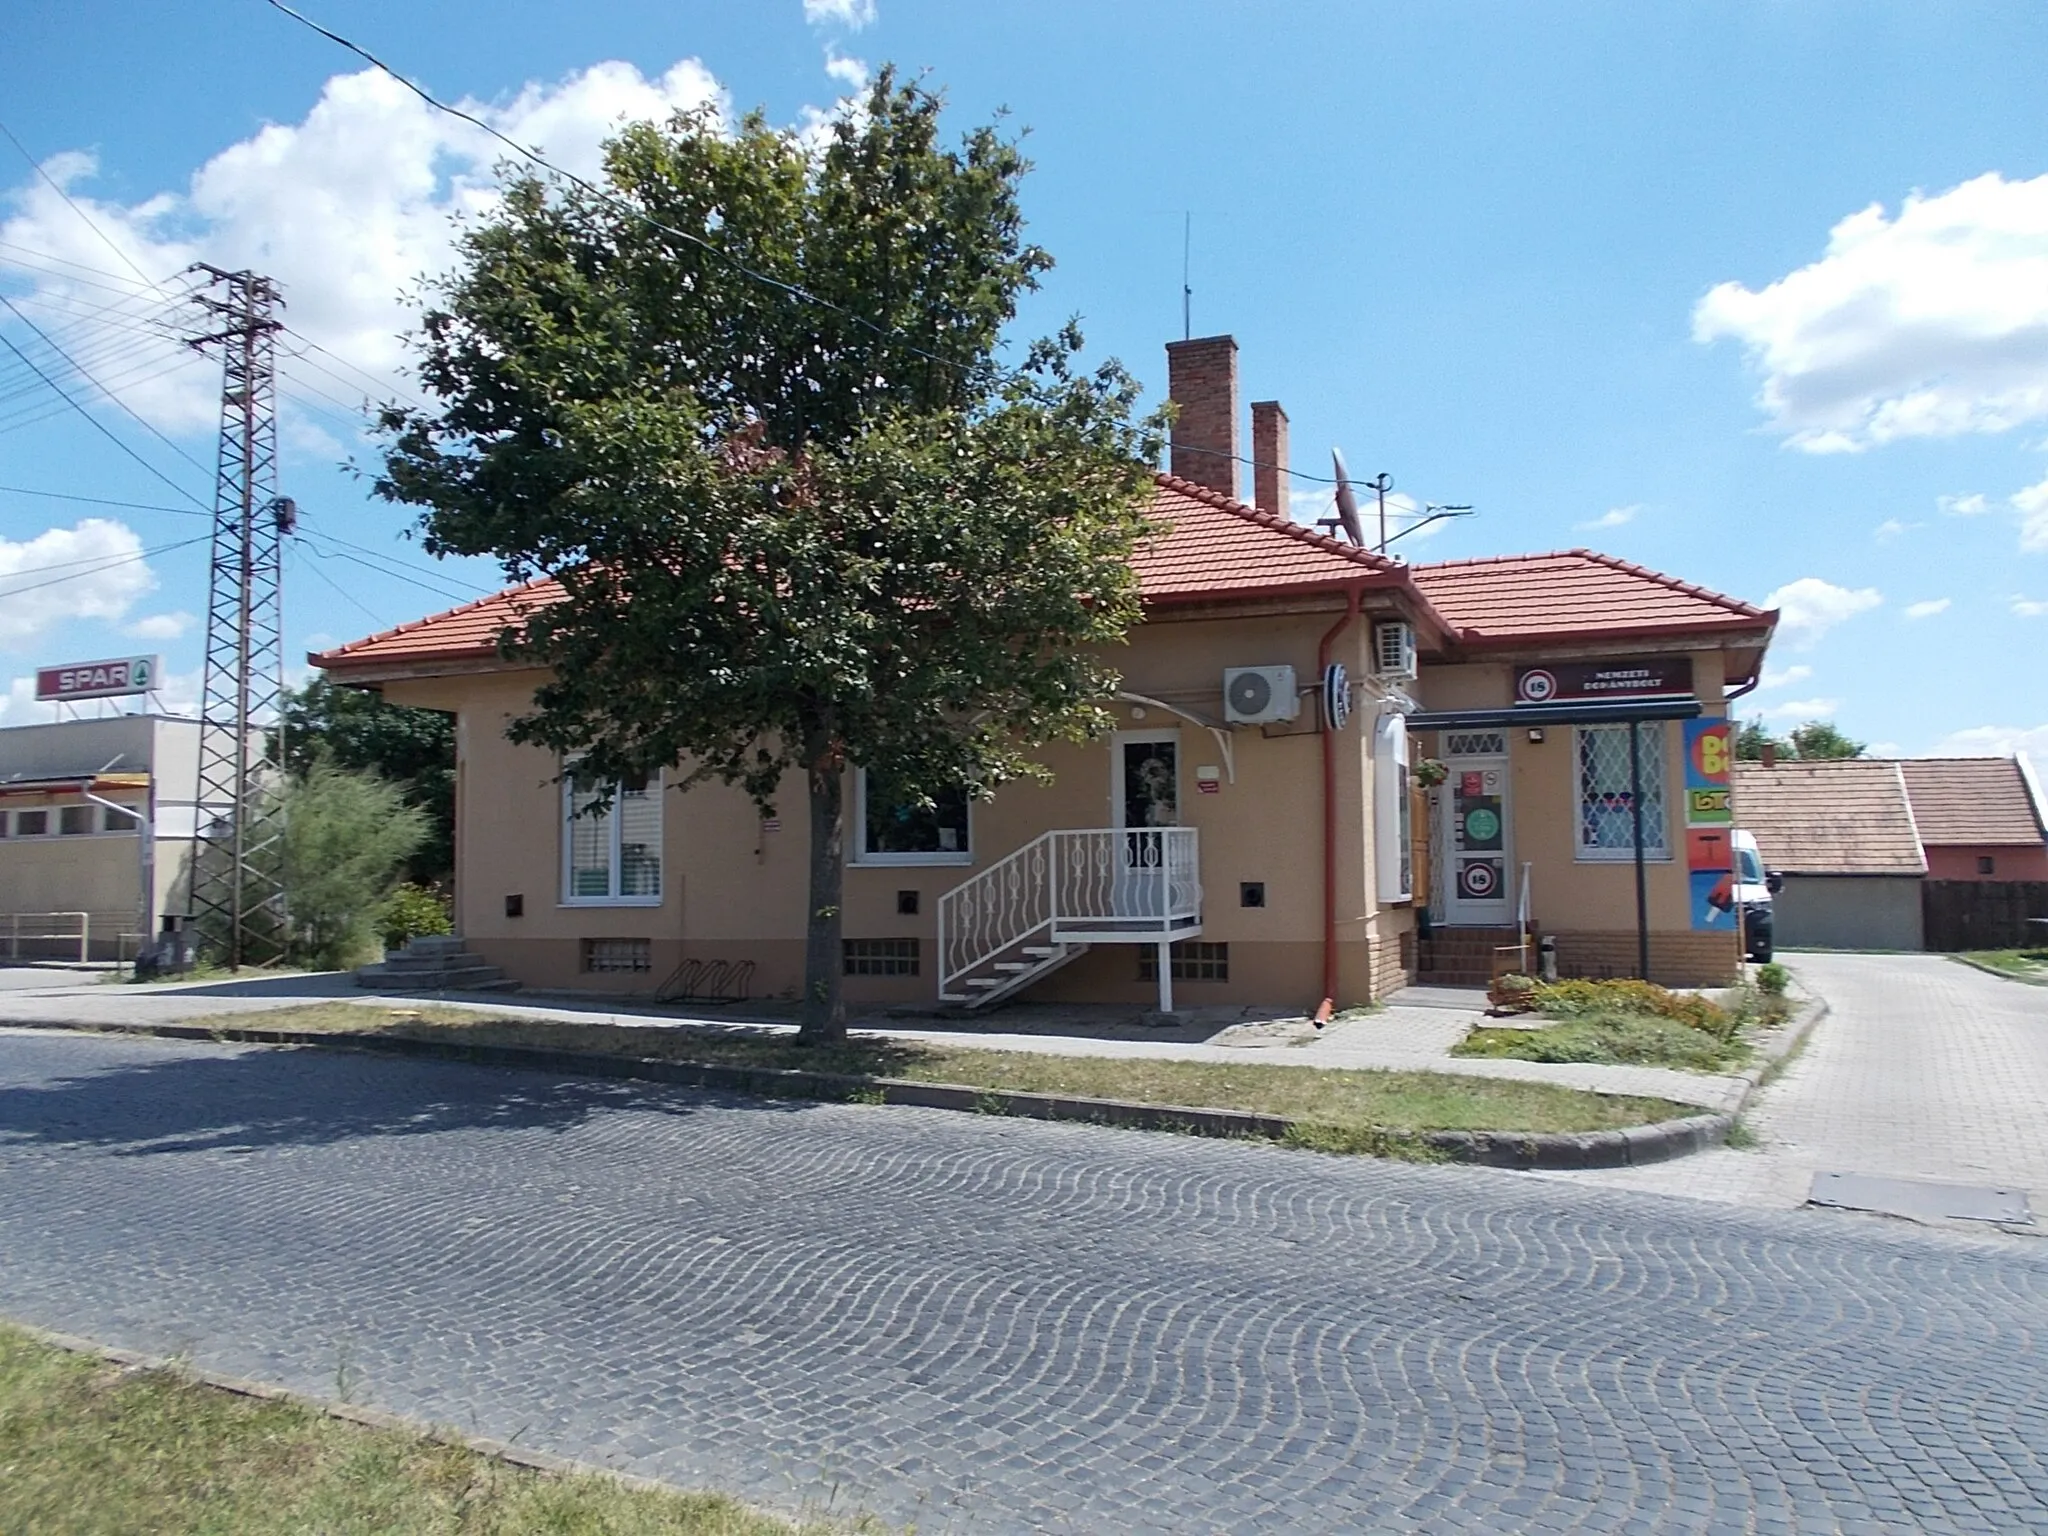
<point>344,592</point>
<point>141,554</point>
<point>393,568</point>
<point>101,501</point>
<point>57,187</point>
<point>793,290</point>
<point>98,425</point>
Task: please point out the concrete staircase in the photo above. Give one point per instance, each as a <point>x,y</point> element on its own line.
<point>437,964</point>
<point>1463,957</point>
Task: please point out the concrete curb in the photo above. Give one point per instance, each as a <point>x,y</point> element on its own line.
<point>1992,970</point>
<point>1654,1143</point>
<point>334,1408</point>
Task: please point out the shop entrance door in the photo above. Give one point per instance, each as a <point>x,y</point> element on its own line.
<point>1474,822</point>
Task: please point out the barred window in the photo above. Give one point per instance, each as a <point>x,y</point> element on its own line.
<point>601,956</point>
<point>881,957</point>
<point>1190,960</point>
<point>76,820</point>
<point>611,857</point>
<point>31,823</point>
<point>1606,827</point>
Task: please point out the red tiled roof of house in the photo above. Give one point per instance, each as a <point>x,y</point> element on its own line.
<point>1848,816</point>
<point>1212,548</point>
<point>1971,800</point>
<point>1507,599</point>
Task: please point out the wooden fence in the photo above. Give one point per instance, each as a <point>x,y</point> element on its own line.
<point>1984,914</point>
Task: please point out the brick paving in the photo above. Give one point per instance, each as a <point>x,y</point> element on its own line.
<point>983,1325</point>
<point>1923,1069</point>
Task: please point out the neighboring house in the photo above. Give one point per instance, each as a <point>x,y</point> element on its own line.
<point>88,809</point>
<point>1842,834</point>
<point>1275,844</point>
<point>1980,818</point>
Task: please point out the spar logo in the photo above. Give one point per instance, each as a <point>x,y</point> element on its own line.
<point>1537,686</point>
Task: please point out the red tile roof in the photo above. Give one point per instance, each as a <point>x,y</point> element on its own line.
<point>1971,800</point>
<point>1211,548</point>
<point>1574,593</point>
<point>1847,816</point>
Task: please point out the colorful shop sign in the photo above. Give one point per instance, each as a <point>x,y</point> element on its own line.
<point>1709,823</point>
<point>1636,678</point>
<point>97,679</point>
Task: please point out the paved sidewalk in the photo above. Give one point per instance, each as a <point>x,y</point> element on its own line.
<point>1402,1037</point>
<point>1923,1069</point>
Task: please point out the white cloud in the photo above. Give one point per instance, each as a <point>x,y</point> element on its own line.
<point>1615,517</point>
<point>94,570</point>
<point>346,209</point>
<point>1785,677</point>
<point>1930,324</point>
<point>1996,741</point>
<point>2032,506</point>
<point>1973,505</point>
<point>160,626</point>
<point>851,14</point>
<point>1809,607</point>
<point>1890,529</point>
<point>851,73</point>
<point>1805,709</point>
<point>1928,609</point>
<point>1882,749</point>
<point>2027,608</point>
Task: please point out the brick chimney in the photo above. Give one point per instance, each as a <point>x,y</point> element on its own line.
<point>1269,451</point>
<point>1770,754</point>
<point>1201,378</point>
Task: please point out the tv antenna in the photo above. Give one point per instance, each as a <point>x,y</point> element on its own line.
<point>1187,293</point>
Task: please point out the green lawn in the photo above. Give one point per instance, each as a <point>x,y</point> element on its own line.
<point>1614,1039</point>
<point>89,1449</point>
<point>1346,1110</point>
<point>2030,964</point>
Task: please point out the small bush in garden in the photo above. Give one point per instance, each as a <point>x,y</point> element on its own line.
<point>410,912</point>
<point>1513,993</point>
<point>1773,978</point>
<point>1621,1039</point>
<point>1644,999</point>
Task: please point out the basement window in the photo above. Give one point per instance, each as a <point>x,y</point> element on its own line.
<point>1190,960</point>
<point>881,957</point>
<point>617,956</point>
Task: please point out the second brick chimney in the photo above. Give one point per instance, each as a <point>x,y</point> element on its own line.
<point>1269,457</point>
<point>1201,378</point>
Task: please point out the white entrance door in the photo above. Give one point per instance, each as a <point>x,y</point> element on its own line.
<point>1474,820</point>
<point>1144,794</point>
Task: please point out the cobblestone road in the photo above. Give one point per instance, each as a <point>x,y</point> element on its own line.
<point>991,1326</point>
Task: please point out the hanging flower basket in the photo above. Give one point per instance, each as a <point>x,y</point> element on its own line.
<point>1431,772</point>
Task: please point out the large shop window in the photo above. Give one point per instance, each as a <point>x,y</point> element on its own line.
<point>612,857</point>
<point>891,827</point>
<point>1606,810</point>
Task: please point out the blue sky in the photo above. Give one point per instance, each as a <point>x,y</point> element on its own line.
<point>1756,294</point>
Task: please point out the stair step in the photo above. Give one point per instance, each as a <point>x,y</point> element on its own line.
<point>1039,951</point>
<point>983,981</point>
<point>1011,965</point>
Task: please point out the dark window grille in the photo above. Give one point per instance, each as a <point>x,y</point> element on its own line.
<point>1191,960</point>
<point>881,957</point>
<point>612,956</point>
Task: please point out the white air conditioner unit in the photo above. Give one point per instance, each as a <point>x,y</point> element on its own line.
<point>1393,649</point>
<point>1257,695</point>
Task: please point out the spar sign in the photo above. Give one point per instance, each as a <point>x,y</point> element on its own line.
<point>97,679</point>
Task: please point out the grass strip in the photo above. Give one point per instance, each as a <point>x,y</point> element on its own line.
<point>88,1447</point>
<point>1341,1109</point>
<point>2026,964</point>
<point>1614,1039</point>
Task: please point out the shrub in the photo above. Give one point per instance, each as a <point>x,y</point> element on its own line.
<point>1640,999</point>
<point>410,912</point>
<point>1773,978</point>
<point>1625,1039</point>
<point>1513,992</point>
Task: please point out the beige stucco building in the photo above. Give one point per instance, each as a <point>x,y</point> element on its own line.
<point>1261,806</point>
<point>93,815</point>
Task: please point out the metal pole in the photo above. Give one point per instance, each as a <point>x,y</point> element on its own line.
<point>1635,807</point>
<point>1166,975</point>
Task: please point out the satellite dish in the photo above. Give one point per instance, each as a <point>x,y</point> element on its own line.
<point>1347,502</point>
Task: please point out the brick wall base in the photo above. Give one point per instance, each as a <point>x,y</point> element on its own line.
<point>1676,959</point>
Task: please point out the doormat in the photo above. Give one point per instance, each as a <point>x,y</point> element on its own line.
<point>1918,1198</point>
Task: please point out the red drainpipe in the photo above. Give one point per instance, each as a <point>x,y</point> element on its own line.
<point>1330,802</point>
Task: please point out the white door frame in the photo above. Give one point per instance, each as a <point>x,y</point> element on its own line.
<point>1139,889</point>
<point>1499,910</point>
<point>1117,742</point>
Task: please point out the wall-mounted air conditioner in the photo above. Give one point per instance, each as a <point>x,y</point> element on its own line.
<point>1393,650</point>
<point>1259,695</point>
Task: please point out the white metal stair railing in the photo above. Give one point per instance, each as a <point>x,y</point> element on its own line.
<point>1033,911</point>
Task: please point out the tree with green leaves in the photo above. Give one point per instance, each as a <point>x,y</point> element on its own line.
<point>413,748</point>
<point>1751,740</point>
<point>1821,740</point>
<point>744,401</point>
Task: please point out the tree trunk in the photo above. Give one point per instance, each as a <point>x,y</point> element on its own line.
<point>824,1011</point>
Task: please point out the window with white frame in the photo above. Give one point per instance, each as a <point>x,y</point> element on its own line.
<point>1606,822</point>
<point>893,826</point>
<point>611,857</point>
